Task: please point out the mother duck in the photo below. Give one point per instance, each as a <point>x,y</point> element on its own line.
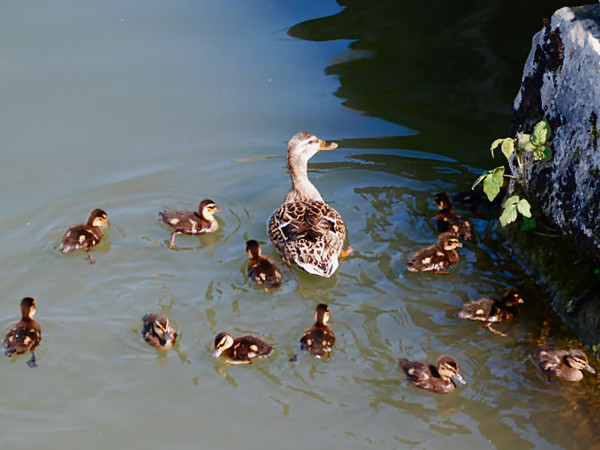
<point>307,231</point>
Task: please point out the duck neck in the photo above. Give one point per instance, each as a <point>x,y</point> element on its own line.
<point>302,187</point>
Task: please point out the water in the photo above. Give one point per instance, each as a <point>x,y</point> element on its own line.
<point>136,108</point>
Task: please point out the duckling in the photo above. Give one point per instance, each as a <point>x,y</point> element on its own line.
<point>26,334</point>
<point>563,364</point>
<point>191,222</point>
<point>319,338</point>
<point>449,220</point>
<point>305,230</point>
<point>240,350</point>
<point>437,257</point>
<point>435,379</point>
<point>85,236</point>
<point>158,332</point>
<point>260,268</point>
<point>489,310</point>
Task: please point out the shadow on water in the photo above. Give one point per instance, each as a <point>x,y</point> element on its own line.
<point>450,72</point>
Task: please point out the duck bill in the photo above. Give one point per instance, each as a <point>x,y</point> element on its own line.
<point>458,377</point>
<point>327,145</point>
<point>216,353</point>
<point>589,368</point>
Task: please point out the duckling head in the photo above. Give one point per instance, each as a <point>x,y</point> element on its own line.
<point>577,359</point>
<point>443,201</point>
<point>322,314</point>
<point>511,297</point>
<point>448,241</point>
<point>162,329</point>
<point>28,308</point>
<point>98,218</point>
<point>447,367</point>
<point>207,209</point>
<point>253,249</point>
<point>223,341</point>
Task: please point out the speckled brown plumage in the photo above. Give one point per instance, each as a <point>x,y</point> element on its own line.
<point>319,339</point>
<point>26,334</point>
<point>489,310</point>
<point>437,257</point>
<point>432,378</point>
<point>240,350</point>
<point>85,236</point>
<point>158,331</point>
<point>564,364</point>
<point>449,220</point>
<point>260,268</point>
<point>191,222</point>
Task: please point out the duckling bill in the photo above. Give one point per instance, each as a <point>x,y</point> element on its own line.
<point>318,340</point>
<point>26,334</point>
<point>489,310</point>
<point>240,350</point>
<point>191,222</point>
<point>85,236</point>
<point>432,378</point>
<point>563,364</point>
<point>436,258</point>
<point>260,268</point>
<point>158,331</point>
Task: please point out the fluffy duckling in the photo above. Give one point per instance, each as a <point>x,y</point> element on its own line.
<point>306,231</point>
<point>85,236</point>
<point>158,331</point>
<point>240,350</point>
<point>437,257</point>
<point>191,222</point>
<point>449,220</point>
<point>564,364</point>
<point>436,379</point>
<point>319,338</point>
<point>26,334</point>
<point>489,310</point>
<point>260,268</point>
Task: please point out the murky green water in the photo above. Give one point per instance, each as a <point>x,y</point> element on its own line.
<point>139,107</point>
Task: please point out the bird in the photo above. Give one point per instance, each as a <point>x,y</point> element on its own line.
<point>307,232</point>
<point>191,222</point>
<point>240,350</point>
<point>437,257</point>
<point>437,378</point>
<point>85,236</point>
<point>564,364</point>
<point>26,334</point>
<point>260,268</point>
<point>489,310</point>
<point>319,338</point>
<point>449,220</point>
<point>158,331</point>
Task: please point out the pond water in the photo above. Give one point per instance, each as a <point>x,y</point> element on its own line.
<point>137,107</point>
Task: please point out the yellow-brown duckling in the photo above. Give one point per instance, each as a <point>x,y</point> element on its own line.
<point>564,364</point>
<point>489,310</point>
<point>449,220</point>
<point>240,350</point>
<point>260,268</point>
<point>319,338</point>
<point>85,236</point>
<point>191,222</point>
<point>26,334</point>
<point>438,257</point>
<point>432,378</point>
<point>158,331</point>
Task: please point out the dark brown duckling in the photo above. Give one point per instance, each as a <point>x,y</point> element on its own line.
<point>319,338</point>
<point>489,310</point>
<point>85,236</point>
<point>260,268</point>
<point>240,350</point>
<point>564,364</point>
<point>449,220</point>
<point>436,379</point>
<point>191,222</point>
<point>158,331</point>
<point>26,334</point>
<point>437,257</point>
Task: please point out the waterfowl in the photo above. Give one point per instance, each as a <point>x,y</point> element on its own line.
<point>437,257</point>
<point>85,236</point>
<point>319,338</point>
<point>564,364</point>
<point>305,230</point>
<point>240,350</point>
<point>158,331</point>
<point>26,334</point>
<point>489,310</point>
<point>260,268</point>
<point>437,378</point>
<point>191,222</point>
<point>449,220</point>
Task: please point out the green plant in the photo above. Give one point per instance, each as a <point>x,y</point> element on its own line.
<point>536,143</point>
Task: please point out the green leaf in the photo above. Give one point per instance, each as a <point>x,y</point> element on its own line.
<point>492,182</point>
<point>480,179</point>
<point>524,207</point>
<point>508,147</point>
<point>525,143</point>
<point>543,153</point>
<point>528,224</point>
<point>511,201</point>
<point>597,271</point>
<point>495,144</point>
<point>541,133</point>
<point>508,215</point>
